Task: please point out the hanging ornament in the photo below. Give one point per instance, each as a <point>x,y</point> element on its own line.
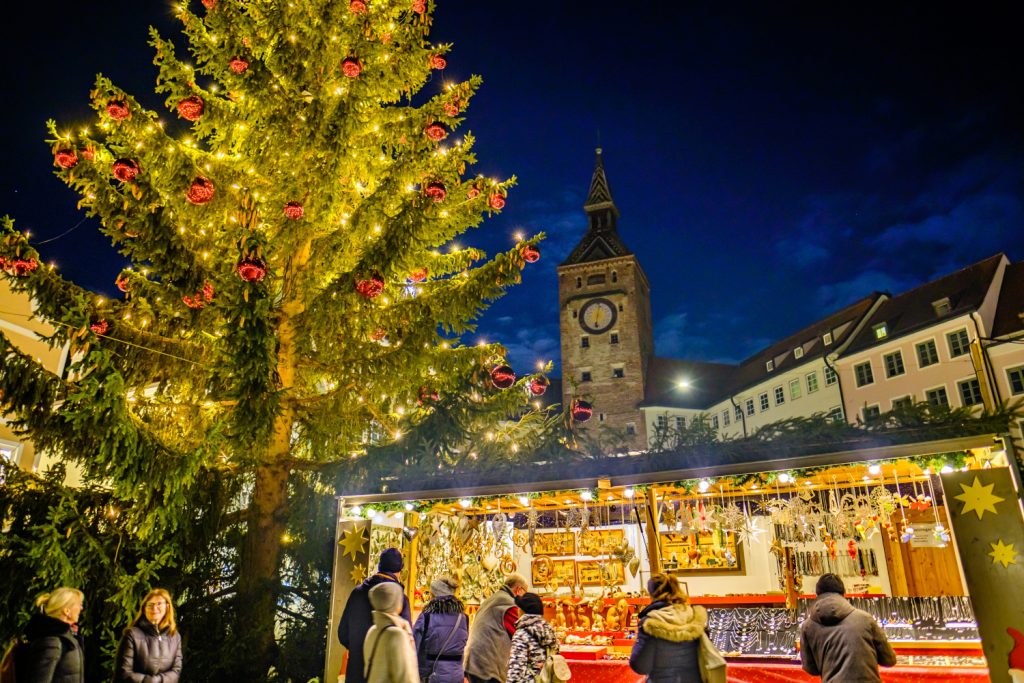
<point>379,334</point>
<point>436,191</point>
<point>201,298</point>
<point>502,376</point>
<point>357,7</point>
<point>191,108</point>
<point>418,275</point>
<point>65,158</point>
<point>238,65</point>
<point>451,109</point>
<point>436,131</point>
<point>531,254</point>
<point>88,153</point>
<point>419,6</point>
<point>126,170</point>
<point>351,67</point>
<point>427,396</point>
<point>581,410</point>
<point>409,533</point>
<point>293,211</point>
<point>474,192</point>
<point>252,269</point>
<point>851,549</point>
<point>538,385</point>
<point>200,192</point>
<point>118,110</point>
<point>438,62</point>
<point>496,201</point>
<point>123,283</point>
<point>20,267</point>
<point>209,4</point>
<point>499,525</point>
<point>370,287</point>
<point>100,327</point>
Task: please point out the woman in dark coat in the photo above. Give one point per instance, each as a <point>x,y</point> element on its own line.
<point>150,649</point>
<point>668,638</point>
<point>441,632</point>
<point>55,652</point>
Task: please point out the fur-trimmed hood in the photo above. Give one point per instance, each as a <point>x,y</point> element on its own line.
<point>675,623</point>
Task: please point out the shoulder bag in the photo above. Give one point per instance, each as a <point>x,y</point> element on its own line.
<point>712,663</point>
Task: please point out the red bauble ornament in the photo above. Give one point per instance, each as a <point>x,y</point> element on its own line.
<point>531,254</point>
<point>502,376</point>
<point>378,334</point>
<point>209,4</point>
<point>208,291</point>
<point>419,6</point>
<point>371,287</point>
<point>538,385</point>
<point>252,269</point>
<point>451,109</point>
<point>581,410</point>
<point>436,131</point>
<point>126,170</point>
<point>473,193</point>
<point>427,396</point>
<point>100,327</point>
<point>357,7</point>
<point>438,62</point>
<point>66,158</point>
<point>239,65</point>
<point>88,153</point>
<point>201,191</point>
<point>497,202</point>
<point>118,110</point>
<point>123,283</point>
<point>351,67</point>
<point>20,267</point>
<point>191,108</point>
<point>293,211</point>
<point>418,275</point>
<point>436,191</point>
<point>193,302</point>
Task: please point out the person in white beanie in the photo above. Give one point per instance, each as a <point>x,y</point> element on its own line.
<point>388,651</point>
<point>441,632</point>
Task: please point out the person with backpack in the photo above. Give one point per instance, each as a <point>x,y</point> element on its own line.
<point>389,651</point>
<point>55,650</point>
<point>533,642</point>
<point>441,632</point>
<point>150,649</point>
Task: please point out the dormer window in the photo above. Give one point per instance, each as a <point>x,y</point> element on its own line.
<point>942,306</point>
<point>881,331</point>
<point>827,338</point>
<point>798,352</point>
<point>769,366</point>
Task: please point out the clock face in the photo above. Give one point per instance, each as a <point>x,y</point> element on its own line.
<point>597,316</point>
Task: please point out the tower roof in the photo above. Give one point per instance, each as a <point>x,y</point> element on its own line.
<point>602,240</point>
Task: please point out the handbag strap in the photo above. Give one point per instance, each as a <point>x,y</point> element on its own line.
<point>373,651</point>
<point>458,620</point>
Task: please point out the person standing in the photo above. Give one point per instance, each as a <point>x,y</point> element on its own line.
<point>667,646</point>
<point>840,642</point>
<point>55,651</point>
<point>441,632</point>
<point>533,638</point>
<point>356,619</point>
<point>490,637</point>
<point>388,651</point>
<point>150,649</point>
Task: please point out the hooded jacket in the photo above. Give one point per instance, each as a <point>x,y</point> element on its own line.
<point>356,621</point>
<point>55,652</point>
<point>441,618</point>
<point>148,655</point>
<point>843,644</point>
<point>394,658</point>
<point>667,643</point>
<point>530,645</point>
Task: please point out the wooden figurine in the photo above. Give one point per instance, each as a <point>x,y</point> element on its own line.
<point>583,622</point>
<point>598,624</point>
<point>559,620</point>
<point>611,619</point>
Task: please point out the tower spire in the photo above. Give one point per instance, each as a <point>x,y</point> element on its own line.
<point>599,199</point>
<point>602,239</point>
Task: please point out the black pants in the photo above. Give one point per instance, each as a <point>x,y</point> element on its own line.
<point>475,679</point>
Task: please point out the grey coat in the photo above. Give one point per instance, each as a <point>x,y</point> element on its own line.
<point>489,643</point>
<point>843,644</point>
<point>147,655</point>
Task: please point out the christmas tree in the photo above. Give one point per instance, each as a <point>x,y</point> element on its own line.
<point>294,304</point>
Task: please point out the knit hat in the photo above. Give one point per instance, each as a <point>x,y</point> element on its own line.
<point>442,587</point>
<point>391,561</point>
<point>530,603</point>
<point>386,597</point>
<point>829,583</point>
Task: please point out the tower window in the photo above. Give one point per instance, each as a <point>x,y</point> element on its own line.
<point>614,338</point>
<point>585,377</point>
<point>631,428</point>
<point>595,279</point>
<point>579,282</point>
<point>584,342</point>
<point>615,276</point>
<point>618,372</point>
<point>620,308</point>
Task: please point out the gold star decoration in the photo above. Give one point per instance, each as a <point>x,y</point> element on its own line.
<point>353,542</point>
<point>978,499</point>
<point>1003,554</point>
<point>358,574</point>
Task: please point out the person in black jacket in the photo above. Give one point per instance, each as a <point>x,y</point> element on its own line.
<point>55,653</point>
<point>667,643</point>
<point>150,649</point>
<point>357,617</point>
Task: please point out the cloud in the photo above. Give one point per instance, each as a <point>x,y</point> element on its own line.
<point>533,344</point>
<point>836,295</point>
<point>676,336</point>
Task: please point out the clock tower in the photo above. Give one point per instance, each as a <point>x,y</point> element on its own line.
<point>605,319</point>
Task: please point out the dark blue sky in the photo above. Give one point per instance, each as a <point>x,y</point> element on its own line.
<point>772,161</point>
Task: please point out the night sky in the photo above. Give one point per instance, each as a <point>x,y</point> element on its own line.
<point>772,162</point>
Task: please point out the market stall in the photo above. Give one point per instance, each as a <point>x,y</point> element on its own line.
<point>746,545</point>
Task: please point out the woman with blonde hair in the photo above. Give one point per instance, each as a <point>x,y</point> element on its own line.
<point>55,653</point>
<point>150,650</point>
<point>668,640</point>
